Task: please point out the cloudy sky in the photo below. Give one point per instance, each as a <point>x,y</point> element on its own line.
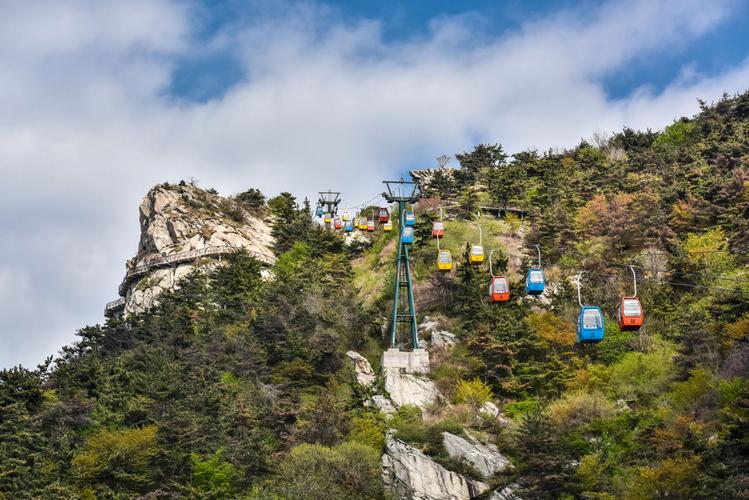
<point>101,100</point>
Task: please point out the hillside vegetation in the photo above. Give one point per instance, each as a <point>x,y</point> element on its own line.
<point>237,387</point>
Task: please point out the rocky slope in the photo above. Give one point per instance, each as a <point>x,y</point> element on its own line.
<point>184,227</point>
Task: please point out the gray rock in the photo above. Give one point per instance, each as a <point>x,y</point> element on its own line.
<point>489,409</point>
<point>411,389</point>
<point>485,458</point>
<point>443,339</point>
<point>410,474</point>
<point>381,403</point>
<point>365,376</point>
<point>506,493</point>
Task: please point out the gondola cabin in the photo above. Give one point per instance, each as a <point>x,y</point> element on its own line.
<point>499,289</point>
<point>387,227</point>
<point>590,324</point>
<point>444,260</point>
<point>349,226</point>
<point>410,218</point>
<point>384,215</point>
<point>346,217</point>
<point>407,235</point>
<point>319,212</point>
<point>534,281</point>
<point>327,219</point>
<point>629,314</point>
<point>362,223</point>
<point>337,222</point>
<point>477,254</point>
<point>370,226</point>
<point>438,229</point>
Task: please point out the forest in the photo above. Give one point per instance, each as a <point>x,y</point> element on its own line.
<point>234,386</point>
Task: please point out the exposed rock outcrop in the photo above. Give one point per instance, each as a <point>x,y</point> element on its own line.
<point>382,403</point>
<point>485,458</point>
<point>410,474</point>
<point>365,376</point>
<point>411,389</point>
<point>184,227</point>
<point>439,338</point>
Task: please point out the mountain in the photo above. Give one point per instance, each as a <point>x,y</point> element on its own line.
<point>247,356</point>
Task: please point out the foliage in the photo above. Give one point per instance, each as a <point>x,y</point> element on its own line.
<point>473,392</point>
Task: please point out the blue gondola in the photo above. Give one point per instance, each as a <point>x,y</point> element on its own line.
<point>407,236</point>
<point>319,212</point>
<point>534,281</point>
<point>349,226</point>
<point>410,218</point>
<point>590,324</point>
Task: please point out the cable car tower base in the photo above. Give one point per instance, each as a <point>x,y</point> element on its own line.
<point>415,359</point>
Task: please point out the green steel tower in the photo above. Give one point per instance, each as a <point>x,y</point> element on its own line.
<point>402,192</point>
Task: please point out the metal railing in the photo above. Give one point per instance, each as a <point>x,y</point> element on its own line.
<point>114,305</point>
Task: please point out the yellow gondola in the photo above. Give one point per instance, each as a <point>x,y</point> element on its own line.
<point>477,254</point>
<point>444,260</point>
<point>387,227</point>
<point>346,217</point>
<point>327,219</point>
<point>362,223</point>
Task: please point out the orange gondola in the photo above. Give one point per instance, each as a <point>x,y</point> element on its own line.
<point>629,315</point>
<point>499,289</point>
<point>438,229</point>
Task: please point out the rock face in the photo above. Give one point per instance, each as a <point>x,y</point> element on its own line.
<point>365,376</point>
<point>440,339</point>
<point>485,458</point>
<point>411,389</point>
<point>382,403</point>
<point>410,474</point>
<point>184,227</point>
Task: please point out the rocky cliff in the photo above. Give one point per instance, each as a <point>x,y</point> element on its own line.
<point>184,227</point>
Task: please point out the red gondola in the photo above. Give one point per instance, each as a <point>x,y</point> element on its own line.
<point>438,229</point>
<point>499,289</point>
<point>370,225</point>
<point>630,315</point>
<point>384,215</point>
<point>337,222</point>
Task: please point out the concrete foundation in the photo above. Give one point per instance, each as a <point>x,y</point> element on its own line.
<point>416,361</point>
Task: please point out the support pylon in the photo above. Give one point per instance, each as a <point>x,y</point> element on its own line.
<point>402,192</point>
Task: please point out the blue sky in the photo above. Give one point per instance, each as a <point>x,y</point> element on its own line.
<point>206,76</point>
<point>99,101</point>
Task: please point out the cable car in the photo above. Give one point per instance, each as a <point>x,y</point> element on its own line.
<point>346,217</point>
<point>370,225</point>
<point>589,320</point>
<point>384,215</point>
<point>319,211</point>
<point>629,315</point>
<point>477,254</point>
<point>410,218</point>
<point>534,281</point>
<point>327,219</point>
<point>499,289</point>
<point>438,229</point>
<point>407,235</point>
<point>362,223</point>
<point>590,324</point>
<point>349,226</point>
<point>444,260</point>
<point>387,227</point>
<point>337,222</point>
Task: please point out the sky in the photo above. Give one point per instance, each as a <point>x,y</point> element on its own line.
<point>101,100</point>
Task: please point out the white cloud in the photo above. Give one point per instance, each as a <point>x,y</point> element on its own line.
<point>86,126</point>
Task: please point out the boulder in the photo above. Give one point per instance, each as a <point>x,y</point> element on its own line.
<point>506,493</point>
<point>365,376</point>
<point>381,403</point>
<point>410,474</point>
<point>485,458</point>
<point>442,339</point>
<point>489,409</point>
<point>410,389</point>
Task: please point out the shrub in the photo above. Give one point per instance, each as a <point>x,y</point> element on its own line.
<point>211,474</point>
<point>473,392</point>
<point>368,429</point>
<point>348,471</point>
<point>118,459</point>
<point>580,408</point>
